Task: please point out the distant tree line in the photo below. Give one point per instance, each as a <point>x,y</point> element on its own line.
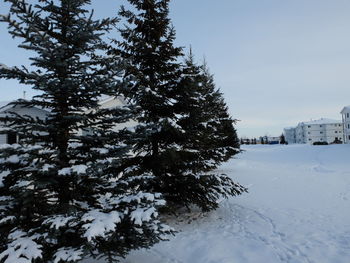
<point>263,140</point>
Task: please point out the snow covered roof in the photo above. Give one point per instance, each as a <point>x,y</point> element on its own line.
<point>103,100</point>
<point>10,104</point>
<point>4,103</point>
<point>322,121</point>
<point>345,109</point>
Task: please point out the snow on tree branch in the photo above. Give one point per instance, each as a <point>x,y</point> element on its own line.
<point>22,249</point>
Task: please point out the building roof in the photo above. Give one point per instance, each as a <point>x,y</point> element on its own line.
<point>4,103</point>
<point>345,109</point>
<point>322,121</point>
<point>4,106</point>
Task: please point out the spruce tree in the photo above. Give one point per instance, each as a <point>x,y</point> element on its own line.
<point>282,139</point>
<point>153,73</point>
<point>209,139</point>
<point>225,139</point>
<point>61,195</point>
<point>177,154</point>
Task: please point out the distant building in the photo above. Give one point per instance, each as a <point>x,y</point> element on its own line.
<point>108,102</point>
<point>273,140</point>
<point>289,135</point>
<point>269,140</point>
<point>322,130</point>
<point>7,109</point>
<point>346,124</point>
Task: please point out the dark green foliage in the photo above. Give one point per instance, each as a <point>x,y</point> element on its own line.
<point>320,143</point>
<point>209,139</point>
<point>153,73</point>
<point>262,140</point>
<point>184,130</point>
<point>282,139</point>
<point>60,192</point>
<point>337,141</point>
<point>74,186</point>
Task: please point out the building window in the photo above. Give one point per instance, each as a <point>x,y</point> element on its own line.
<point>309,126</point>
<point>308,132</point>
<point>321,126</point>
<point>347,115</point>
<point>336,131</point>
<point>321,132</point>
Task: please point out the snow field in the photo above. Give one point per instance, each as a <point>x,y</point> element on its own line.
<point>297,210</point>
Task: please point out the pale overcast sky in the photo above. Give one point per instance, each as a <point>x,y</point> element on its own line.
<point>278,62</point>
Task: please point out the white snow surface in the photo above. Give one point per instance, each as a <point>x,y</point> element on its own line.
<point>22,249</point>
<point>67,255</point>
<point>2,177</point>
<point>297,211</point>
<point>99,223</point>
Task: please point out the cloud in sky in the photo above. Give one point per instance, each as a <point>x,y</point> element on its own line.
<point>278,62</point>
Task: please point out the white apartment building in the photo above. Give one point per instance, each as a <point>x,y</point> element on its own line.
<point>346,124</point>
<point>322,130</point>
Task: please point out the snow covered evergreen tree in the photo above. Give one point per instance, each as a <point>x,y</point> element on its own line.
<point>166,147</point>
<point>224,140</point>
<point>61,197</point>
<point>282,139</point>
<point>153,74</point>
<point>209,138</point>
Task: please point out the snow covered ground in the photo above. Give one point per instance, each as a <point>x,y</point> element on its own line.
<point>297,210</point>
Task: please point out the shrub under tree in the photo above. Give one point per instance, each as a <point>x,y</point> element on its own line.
<point>61,197</point>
